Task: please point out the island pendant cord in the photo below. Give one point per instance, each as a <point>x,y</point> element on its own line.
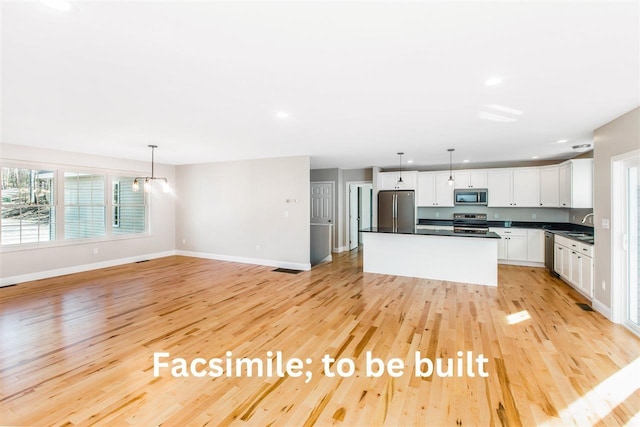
<point>451,150</point>
<point>400,178</point>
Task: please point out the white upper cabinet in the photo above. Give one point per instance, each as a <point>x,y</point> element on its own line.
<point>389,180</point>
<point>499,183</point>
<point>517,187</point>
<point>470,179</point>
<point>434,189</point>
<point>549,187</point>
<point>526,187</point>
<point>576,183</point>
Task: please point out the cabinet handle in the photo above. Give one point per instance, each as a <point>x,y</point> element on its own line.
<point>584,249</point>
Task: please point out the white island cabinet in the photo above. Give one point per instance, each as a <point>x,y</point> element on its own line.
<point>432,254</point>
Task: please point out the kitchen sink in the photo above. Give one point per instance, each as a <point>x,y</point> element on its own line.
<point>582,237</point>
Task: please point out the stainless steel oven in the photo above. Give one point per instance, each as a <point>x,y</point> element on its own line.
<point>470,223</point>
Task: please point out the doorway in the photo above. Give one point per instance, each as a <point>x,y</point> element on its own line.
<point>360,199</point>
<point>626,245</point>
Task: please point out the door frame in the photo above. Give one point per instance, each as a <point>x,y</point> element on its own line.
<point>348,208</point>
<point>619,262</point>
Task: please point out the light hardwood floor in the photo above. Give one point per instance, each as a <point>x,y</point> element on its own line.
<point>78,349</point>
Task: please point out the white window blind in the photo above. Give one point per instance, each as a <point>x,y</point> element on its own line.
<point>84,205</point>
<point>129,207</point>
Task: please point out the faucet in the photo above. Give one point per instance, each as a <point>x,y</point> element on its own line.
<point>586,216</point>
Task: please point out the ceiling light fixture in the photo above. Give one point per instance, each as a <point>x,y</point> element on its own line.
<point>535,157</point>
<point>282,114</point>
<point>561,141</point>
<point>493,81</point>
<point>409,161</point>
<point>400,178</point>
<point>465,161</point>
<point>148,180</point>
<point>61,5</point>
<point>450,181</point>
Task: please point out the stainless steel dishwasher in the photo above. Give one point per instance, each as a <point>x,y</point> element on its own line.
<point>548,252</point>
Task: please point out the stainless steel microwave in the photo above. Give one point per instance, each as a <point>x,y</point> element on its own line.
<point>476,196</point>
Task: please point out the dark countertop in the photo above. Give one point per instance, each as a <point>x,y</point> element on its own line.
<point>448,233</point>
<point>551,226</point>
<point>560,228</point>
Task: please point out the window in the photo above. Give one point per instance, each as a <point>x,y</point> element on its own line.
<point>84,205</point>
<point>129,208</point>
<point>28,214</point>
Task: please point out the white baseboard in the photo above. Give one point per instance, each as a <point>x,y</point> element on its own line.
<point>6,281</point>
<point>602,309</point>
<point>521,263</point>
<point>339,249</point>
<point>244,260</point>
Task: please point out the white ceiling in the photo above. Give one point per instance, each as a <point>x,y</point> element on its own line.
<point>361,81</point>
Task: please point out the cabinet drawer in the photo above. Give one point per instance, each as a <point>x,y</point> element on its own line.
<point>569,243</point>
<point>511,232</point>
<point>586,249</point>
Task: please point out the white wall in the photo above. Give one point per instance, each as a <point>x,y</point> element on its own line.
<point>238,211</point>
<point>73,256</point>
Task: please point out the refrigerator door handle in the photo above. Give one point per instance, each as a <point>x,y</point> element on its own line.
<point>394,210</point>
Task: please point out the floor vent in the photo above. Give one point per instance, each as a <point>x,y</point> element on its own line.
<point>144,260</point>
<point>585,307</point>
<point>287,270</point>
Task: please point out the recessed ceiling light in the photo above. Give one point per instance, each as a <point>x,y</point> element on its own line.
<point>493,81</point>
<point>535,157</point>
<point>465,161</point>
<point>409,161</point>
<point>495,117</point>
<point>504,109</point>
<point>561,141</point>
<point>62,5</point>
<point>282,114</point>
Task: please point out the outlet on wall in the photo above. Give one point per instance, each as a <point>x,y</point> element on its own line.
<point>437,214</point>
<point>604,285</point>
<point>184,241</point>
<point>533,216</point>
<point>95,251</point>
<point>257,247</point>
<point>496,216</point>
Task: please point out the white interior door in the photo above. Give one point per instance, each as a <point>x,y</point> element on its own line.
<point>322,203</point>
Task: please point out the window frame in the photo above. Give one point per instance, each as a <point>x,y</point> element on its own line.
<point>52,203</point>
<point>58,205</point>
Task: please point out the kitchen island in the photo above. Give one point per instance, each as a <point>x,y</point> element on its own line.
<point>432,254</point>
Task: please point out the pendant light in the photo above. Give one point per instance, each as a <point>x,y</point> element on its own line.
<point>400,178</point>
<point>148,180</point>
<point>450,181</point>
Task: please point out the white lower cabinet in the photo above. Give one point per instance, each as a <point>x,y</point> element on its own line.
<point>520,244</point>
<point>573,261</point>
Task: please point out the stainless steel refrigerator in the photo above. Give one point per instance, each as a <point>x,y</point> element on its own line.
<point>397,209</point>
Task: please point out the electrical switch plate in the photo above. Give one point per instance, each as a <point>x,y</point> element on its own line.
<point>605,223</point>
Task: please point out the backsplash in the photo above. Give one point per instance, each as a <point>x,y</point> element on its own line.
<point>506,214</point>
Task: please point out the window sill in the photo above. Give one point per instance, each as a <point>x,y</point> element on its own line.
<point>71,242</point>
